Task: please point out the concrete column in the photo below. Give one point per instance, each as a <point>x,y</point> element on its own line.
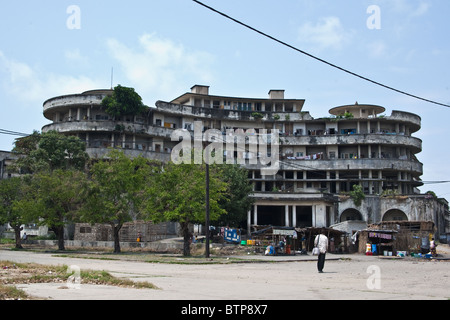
<point>255,215</point>
<point>380,183</point>
<point>320,219</point>
<point>338,183</point>
<point>313,215</point>
<point>286,215</point>
<point>294,216</point>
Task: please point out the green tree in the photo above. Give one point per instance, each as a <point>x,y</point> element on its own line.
<point>49,151</point>
<point>23,147</point>
<point>178,193</point>
<point>237,200</point>
<point>58,197</point>
<point>357,194</point>
<point>124,101</point>
<point>15,204</point>
<point>114,192</point>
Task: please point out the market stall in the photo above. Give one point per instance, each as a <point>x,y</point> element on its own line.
<point>272,240</point>
<point>408,236</point>
<point>376,242</point>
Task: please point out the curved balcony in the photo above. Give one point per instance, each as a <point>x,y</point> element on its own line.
<point>413,143</point>
<point>88,98</point>
<point>109,126</point>
<point>401,116</point>
<point>100,152</point>
<point>374,164</point>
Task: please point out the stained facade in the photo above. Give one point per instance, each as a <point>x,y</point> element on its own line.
<point>320,159</point>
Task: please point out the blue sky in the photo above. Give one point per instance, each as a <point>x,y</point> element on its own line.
<point>163,47</point>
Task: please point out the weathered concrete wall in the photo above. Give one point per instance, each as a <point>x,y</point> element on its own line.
<point>416,208</point>
<point>157,246</point>
<point>73,100</point>
<point>129,232</point>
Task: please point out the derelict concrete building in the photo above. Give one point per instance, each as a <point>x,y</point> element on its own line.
<point>319,159</point>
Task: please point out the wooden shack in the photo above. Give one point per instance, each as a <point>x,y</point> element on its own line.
<point>376,242</point>
<point>394,236</point>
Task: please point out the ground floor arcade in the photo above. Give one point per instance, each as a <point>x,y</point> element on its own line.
<point>292,210</point>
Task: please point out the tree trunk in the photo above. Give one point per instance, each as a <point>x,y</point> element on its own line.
<point>187,238</point>
<point>17,230</point>
<point>116,229</point>
<point>59,232</point>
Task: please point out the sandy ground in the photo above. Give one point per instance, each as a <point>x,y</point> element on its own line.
<point>354,277</point>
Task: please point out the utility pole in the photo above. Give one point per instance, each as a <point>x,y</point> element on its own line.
<point>207,213</point>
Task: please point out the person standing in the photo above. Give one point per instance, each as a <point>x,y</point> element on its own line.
<point>321,242</point>
<point>433,247</point>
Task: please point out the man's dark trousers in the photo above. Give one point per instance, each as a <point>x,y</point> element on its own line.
<point>321,262</point>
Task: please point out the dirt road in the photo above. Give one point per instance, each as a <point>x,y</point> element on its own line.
<point>354,277</point>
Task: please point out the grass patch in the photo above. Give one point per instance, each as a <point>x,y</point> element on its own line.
<point>12,293</point>
<point>23,273</point>
<point>7,241</point>
<point>159,258</point>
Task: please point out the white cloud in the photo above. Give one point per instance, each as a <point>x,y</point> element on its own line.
<point>409,8</point>
<point>327,33</point>
<point>160,65</point>
<point>33,85</point>
<point>403,14</point>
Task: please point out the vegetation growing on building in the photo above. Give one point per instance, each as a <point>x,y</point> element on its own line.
<point>123,102</point>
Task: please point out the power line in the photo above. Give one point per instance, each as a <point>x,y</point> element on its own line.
<point>13,133</point>
<point>319,59</point>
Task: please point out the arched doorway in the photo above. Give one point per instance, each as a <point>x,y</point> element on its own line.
<point>395,215</point>
<point>351,214</point>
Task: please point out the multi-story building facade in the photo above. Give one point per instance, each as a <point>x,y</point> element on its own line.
<point>320,160</point>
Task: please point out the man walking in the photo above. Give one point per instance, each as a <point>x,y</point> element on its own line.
<point>321,241</point>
